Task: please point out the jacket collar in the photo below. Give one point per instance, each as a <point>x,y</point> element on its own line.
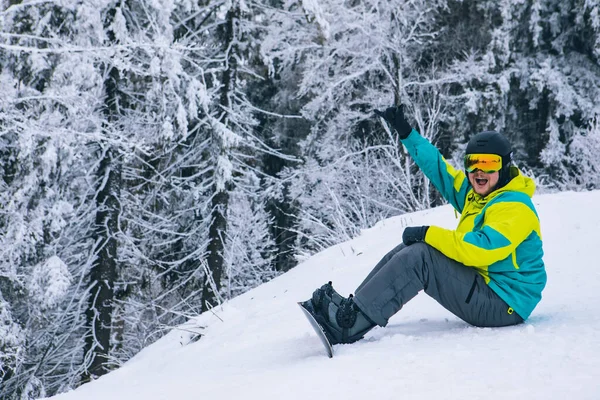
<point>517,183</point>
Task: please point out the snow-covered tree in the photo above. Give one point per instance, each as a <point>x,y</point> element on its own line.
<point>584,151</point>
<point>249,250</point>
<point>11,341</point>
<point>221,64</point>
<point>532,71</point>
<point>46,104</point>
<point>356,57</point>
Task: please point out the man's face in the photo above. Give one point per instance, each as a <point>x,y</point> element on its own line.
<point>483,183</point>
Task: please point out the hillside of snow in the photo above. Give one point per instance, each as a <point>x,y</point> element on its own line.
<point>259,345</point>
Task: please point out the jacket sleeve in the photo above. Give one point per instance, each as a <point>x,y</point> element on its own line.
<point>451,183</point>
<point>507,224</point>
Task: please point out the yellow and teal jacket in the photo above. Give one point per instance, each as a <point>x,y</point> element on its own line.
<point>499,234</point>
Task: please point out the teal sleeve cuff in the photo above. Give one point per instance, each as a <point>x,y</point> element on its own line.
<point>412,136</point>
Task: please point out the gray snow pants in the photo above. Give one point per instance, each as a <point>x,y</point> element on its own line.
<point>406,270</point>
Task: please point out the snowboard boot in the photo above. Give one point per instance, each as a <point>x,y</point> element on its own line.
<point>343,322</point>
<point>323,296</point>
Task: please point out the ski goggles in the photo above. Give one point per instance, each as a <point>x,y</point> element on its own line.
<point>487,163</point>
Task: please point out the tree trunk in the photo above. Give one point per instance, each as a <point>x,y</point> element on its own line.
<point>103,273</point>
<point>216,247</point>
<point>222,148</point>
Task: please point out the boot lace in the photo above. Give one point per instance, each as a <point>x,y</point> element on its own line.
<point>346,313</point>
<point>319,294</point>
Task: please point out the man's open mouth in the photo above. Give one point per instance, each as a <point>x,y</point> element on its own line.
<point>481,181</point>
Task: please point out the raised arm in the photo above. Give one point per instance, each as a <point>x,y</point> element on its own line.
<point>451,183</point>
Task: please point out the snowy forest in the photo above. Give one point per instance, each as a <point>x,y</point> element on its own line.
<point>159,157</point>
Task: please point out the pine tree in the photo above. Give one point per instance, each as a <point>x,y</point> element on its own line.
<point>224,123</point>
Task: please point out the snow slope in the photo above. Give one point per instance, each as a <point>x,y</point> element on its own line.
<point>259,346</point>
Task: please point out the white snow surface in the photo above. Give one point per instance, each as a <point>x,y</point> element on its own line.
<point>260,346</point>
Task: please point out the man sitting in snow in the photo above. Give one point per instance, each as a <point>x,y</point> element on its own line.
<point>489,271</point>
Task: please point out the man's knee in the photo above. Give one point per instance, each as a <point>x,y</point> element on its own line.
<point>420,247</point>
<point>417,252</point>
<point>416,257</point>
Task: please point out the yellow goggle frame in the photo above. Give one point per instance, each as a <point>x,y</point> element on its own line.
<point>487,163</point>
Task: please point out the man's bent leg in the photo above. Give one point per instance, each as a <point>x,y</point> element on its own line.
<point>458,288</point>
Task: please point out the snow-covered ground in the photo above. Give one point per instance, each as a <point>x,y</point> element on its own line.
<point>259,346</point>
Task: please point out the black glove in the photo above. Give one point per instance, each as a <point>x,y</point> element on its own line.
<point>414,234</point>
<point>395,117</point>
